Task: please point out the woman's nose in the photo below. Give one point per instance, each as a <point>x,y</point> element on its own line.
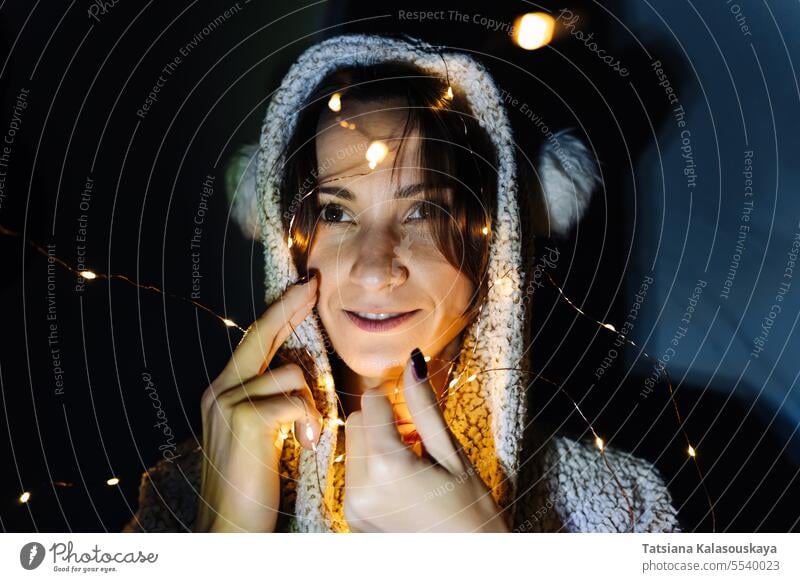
<point>380,262</point>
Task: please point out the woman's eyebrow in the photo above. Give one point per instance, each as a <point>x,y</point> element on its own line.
<point>344,193</point>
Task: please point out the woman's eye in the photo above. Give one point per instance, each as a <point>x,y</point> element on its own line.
<point>333,213</point>
<point>336,214</point>
<point>421,211</point>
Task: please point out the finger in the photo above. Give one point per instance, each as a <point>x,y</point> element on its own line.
<point>280,380</point>
<point>273,413</point>
<point>287,382</point>
<point>265,335</point>
<point>355,472</point>
<point>427,416</point>
<point>251,418</point>
<point>308,429</point>
<point>355,459</point>
<point>380,432</point>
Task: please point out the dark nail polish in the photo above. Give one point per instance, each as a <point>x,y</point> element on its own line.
<point>419,365</point>
<point>305,278</point>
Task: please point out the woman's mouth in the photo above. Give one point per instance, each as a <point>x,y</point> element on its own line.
<point>379,321</point>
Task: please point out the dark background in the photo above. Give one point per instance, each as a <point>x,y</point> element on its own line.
<point>87,79</point>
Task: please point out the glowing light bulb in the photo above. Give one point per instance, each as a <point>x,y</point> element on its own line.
<point>599,442</point>
<point>113,481</point>
<point>25,497</point>
<point>88,275</point>
<point>335,102</point>
<point>427,358</point>
<point>534,30</point>
<point>376,151</point>
<point>229,322</point>
<point>449,93</point>
<point>609,326</point>
<point>485,230</point>
<point>691,451</point>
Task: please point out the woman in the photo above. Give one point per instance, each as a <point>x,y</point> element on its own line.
<point>387,177</point>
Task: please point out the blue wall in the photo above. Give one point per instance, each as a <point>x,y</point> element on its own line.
<point>718,203</point>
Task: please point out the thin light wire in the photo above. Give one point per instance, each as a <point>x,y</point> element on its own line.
<point>445,393</point>
<point>454,383</point>
<point>662,371</point>
<point>38,248</point>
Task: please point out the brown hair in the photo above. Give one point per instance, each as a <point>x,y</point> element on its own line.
<point>454,152</point>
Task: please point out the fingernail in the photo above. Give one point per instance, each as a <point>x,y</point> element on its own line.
<point>317,432</point>
<point>419,365</point>
<point>306,278</point>
<point>411,438</point>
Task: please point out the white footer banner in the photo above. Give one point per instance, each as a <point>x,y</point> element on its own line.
<point>406,557</point>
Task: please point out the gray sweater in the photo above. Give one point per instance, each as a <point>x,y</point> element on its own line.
<point>568,488</point>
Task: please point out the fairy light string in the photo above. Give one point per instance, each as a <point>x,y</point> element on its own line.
<point>89,275</point>
<point>452,384</point>
<point>662,372</point>
<point>375,154</point>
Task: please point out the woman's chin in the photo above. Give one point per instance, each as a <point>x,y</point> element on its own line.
<point>374,357</point>
<point>372,365</point>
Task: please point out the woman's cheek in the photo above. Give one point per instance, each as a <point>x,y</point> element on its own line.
<point>325,259</point>
<point>444,281</point>
<point>321,255</point>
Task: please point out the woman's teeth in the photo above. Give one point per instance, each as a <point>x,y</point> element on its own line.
<point>379,322</point>
<point>377,316</point>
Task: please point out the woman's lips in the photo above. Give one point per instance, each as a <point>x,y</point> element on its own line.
<point>377,325</point>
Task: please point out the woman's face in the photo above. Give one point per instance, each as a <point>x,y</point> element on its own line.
<point>384,286</point>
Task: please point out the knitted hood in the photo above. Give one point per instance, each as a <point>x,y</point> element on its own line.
<point>485,404</point>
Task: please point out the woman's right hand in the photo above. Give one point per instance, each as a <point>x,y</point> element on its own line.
<point>243,412</point>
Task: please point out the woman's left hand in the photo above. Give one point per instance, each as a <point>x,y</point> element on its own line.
<point>389,488</point>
